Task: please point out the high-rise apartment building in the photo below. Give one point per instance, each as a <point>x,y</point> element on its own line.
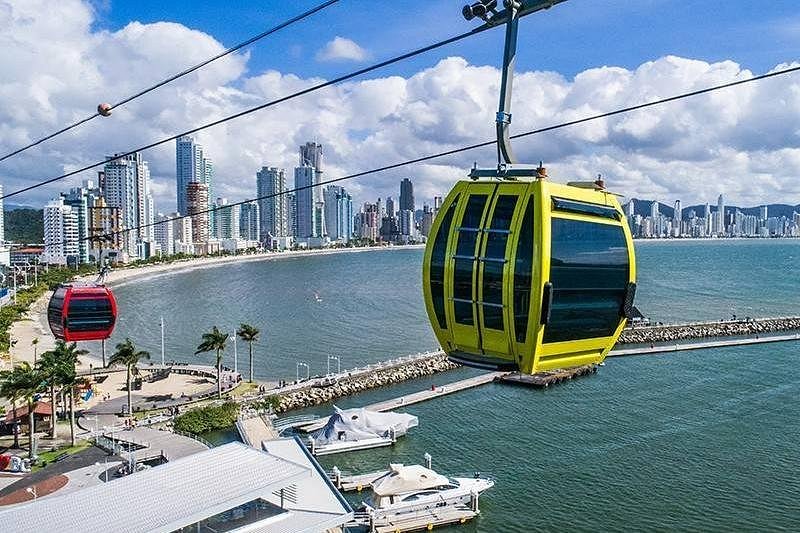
<point>677,218</point>
<point>305,205</point>
<point>406,195</point>
<point>80,199</point>
<point>338,213</point>
<point>197,208</point>
<point>165,235</point>
<point>105,229</point>
<point>182,233</point>
<point>227,219</point>
<point>273,205</point>
<point>249,222</point>
<point>60,233</point>
<point>191,166</point>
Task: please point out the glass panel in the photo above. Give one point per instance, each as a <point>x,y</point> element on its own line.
<point>437,264</point>
<point>583,208</point>
<point>464,268</point>
<point>493,270</point>
<point>589,273</point>
<point>87,314</point>
<point>523,272</point>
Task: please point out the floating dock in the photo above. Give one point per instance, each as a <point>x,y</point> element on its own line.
<point>424,520</point>
<point>551,377</point>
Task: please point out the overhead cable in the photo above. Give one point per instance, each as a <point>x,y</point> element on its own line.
<point>451,152</point>
<point>107,108</point>
<point>266,105</point>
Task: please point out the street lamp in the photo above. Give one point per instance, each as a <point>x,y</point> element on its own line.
<point>297,371</point>
<point>338,364</point>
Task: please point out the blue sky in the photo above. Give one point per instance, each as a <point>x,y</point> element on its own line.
<point>69,55</point>
<point>571,37</point>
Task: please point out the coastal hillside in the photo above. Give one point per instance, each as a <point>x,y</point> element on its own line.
<point>24,225</point>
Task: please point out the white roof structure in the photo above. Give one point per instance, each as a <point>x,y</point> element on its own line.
<point>210,487</point>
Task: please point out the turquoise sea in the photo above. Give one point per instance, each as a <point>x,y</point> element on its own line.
<point>699,441</point>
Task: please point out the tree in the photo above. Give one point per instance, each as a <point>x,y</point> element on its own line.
<point>249,334</point>
<point>128,355</point>
<point>214,341</point>
<point>24,381</point>
<point>65,361</point>
<point>11,390</point>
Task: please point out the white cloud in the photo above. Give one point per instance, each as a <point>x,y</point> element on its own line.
<point>743,141</point>
<point>342,49</point>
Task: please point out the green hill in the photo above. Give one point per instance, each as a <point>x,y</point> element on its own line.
<point>24,226</point>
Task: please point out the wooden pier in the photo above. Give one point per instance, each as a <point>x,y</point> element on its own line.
<point>424,520</point>
<point>551,377</point>
<point>357,482</point>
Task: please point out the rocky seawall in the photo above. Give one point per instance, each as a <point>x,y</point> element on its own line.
<point>345,387</point>
<point>703,330</point>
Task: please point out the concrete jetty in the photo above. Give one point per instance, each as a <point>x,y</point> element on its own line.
<point>414,398</point>
<point>255,429</point>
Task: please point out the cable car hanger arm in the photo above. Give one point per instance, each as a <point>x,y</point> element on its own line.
<point>486,10</point>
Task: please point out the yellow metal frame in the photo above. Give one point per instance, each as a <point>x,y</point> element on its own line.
<point>501,348</point>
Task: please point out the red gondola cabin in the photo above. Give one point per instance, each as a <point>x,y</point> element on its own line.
<point>82,312</point>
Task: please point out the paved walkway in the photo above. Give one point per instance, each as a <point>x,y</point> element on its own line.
<point>145,443</point>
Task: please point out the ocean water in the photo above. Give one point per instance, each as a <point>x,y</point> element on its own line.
<point>703,440</point>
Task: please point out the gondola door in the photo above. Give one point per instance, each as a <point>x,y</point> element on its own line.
<point>495,260</point>
<point>463,269</point>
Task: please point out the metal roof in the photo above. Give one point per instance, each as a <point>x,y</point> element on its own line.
<point>164,498</point>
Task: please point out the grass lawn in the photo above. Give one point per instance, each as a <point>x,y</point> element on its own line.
<point>46,458</point>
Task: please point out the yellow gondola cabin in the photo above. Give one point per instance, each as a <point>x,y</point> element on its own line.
<point>528,275</point>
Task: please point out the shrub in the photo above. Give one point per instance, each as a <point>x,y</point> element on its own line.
<point>208,418</point>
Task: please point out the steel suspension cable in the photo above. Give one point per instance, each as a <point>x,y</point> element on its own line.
<point>266,105</point>
<point>174,77</point>
<point>454,151</point>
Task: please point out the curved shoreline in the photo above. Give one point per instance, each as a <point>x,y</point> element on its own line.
<point>120,277</point>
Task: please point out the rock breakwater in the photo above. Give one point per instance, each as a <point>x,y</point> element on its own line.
<point>704,330</point>
<point>379,378</point>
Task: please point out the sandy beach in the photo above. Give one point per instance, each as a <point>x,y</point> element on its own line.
<point>34,325</point>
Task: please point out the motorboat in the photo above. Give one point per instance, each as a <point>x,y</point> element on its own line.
<point>411,488</point>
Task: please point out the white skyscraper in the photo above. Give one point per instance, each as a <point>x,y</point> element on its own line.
<point>227,220</point>
<point>119,190</point>
<point>60,233</point>
<point>305,210</point>
<point>273,209</point>
<point>677,218</point>
<point>338,213</point>
<point>165,235</point>
<point>721,215</point>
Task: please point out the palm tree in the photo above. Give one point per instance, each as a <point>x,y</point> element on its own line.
<point>127,355</point>
<point>214,340</point>
<point>249,334</point>
<point>24,381</point>
<point>50,367</point>
<point>66,359</point>
<point>10,389</point>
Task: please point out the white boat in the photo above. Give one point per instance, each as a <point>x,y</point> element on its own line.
<point>359,429</point>
<point>409,489</point>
